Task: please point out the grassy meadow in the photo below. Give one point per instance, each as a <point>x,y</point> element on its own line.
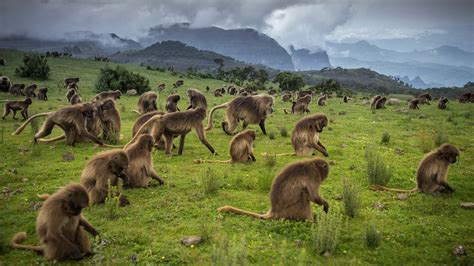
<point>421,229</point>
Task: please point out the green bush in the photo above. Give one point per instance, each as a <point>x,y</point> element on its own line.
<point>284,132</point>
<point>326,232</point>
<point>372,236</point>
<point>210,182</point>
<point>350,198</point>
<point>377,171</point>
<point>121,79</point>
<point>35,67</point>
<point>271,135</point>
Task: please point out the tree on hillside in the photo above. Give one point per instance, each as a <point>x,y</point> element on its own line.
<point>289,81</point>
<point>34,66</point>
<point>121,79</point>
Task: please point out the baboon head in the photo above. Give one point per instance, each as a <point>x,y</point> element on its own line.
<point>252,134</point>
<point>88,110</point>
<point>323,167</point>
<point>75,200</point>
<point>448,152</point>
<point>175,98</point>
<point>28,101</point>
<point>118,164</point>
<point>190,93</point>
<point>146,141</point>
<point>118,93</point>
<point>267,103</point>
<point>320,123</point>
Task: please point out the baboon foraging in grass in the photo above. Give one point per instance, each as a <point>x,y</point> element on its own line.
<point>432,172</point>
<point>292,192</point>
<point>413,104</point>
<point>142,120</point>
<point>379,104</point>
<point>30,91</point>
<point>172,103</point>
<point>305,135</point>
<point>13,106</point>
<point>271,92</point>
<point>207,88</point>
<point>43,94</point>
<point>374,100</point>
<point>5,84</point>
<point>161,87</point>
<point>300,94</point>
<point>322,100</point>
<point>177,123</point>
<point>442,103</point>
<point>114,95</point>
<point>70,93</point>
<point>72,85</point>
<point>109,119</point>
<point>232,90</point>
<point>103,168</point>
<point>147,102</point>
<point>140,165</point>
<point>67,81</point>
<point>466,97</point>
<point>240,149</point>
<point>196,99</point>
<point>60,226</point>
<point>218,93</point>
<point>17,90</point>
<point>425,98</point>
<point>301,105</point>
<point>250,109</point>
<point>179,83</point>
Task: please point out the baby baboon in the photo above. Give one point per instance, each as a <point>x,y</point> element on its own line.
<point>425,98</point>
<point>322,100</point>
<point>301,105</point>
<point>109,119</point>
<point>374,100</point>
<point>5,84</point>
<point>140,165</point>
<point>172,103</point>
<point>114,95</point>
<point>241,149</point>
<point>147,102</point>
<point>103,168</point>
<point>442,103</point>
<point>17,90</point>
<point>67,81</point>
<point>75,99</point>
<point>286,97</point>
<point>30,91</point>
<point>43,94</point>
<point>305,135</point>
<point>14,106</point>
<point>293,190</point>
<point>413,104</point>
<point>207,89</point>
<point>177,123</point>
<point>218,93</point>
<point>60,226</point>
<point>71,119</point>
<point>432,172</point>
<point>196,99</point>
<point>250,109</point>
<point>379,104</point>
<point>466,97</point>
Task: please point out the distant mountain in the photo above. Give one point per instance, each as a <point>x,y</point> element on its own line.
<point>175,54</point>
<point>304,59</point>
<point>247,45</point>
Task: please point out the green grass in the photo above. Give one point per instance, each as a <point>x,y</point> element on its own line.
<point>423,228</point>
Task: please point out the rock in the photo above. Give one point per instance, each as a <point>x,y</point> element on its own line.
<point>332,162</point>
<point>343,145</point>
<point>6,190</point>
<point>68,157</point>
<point>338,197</point>
<point>342,113</point>
<point>402,196</point>
<point>24,180</point>
<point>132,92</point>
<point>191,240</point>
<point>422,116</point>
<point>364,102</point>
<point>378,206</point>
<point>327,254</point>
<point>467,205</point>
<point>459,251</point>
<point>399,151</point>
<point>123,201</point>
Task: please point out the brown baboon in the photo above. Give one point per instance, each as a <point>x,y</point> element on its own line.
<point>442,103</point>
<point>103,168</point>
<point>232,90</point>
<point>109,119</point>
<point>374,100</point>
<point>114,95</point>
<point>432,172</point>
<point>70,93</point>
<point>14,106</point>
<point>286,97</point>
<point>144,118</point>
<point>177,123</point>
<point>271,92</point>
<point>30,91</point>
<point>413,104</point>
<point>240,149</point>
<point>466,97</point>
<point>67,81</point>
<point>72,85</point>
<point>379,104</point>
<point>17,90</point>
<point>218,93</point>
<point>140,165</point>
<point>196,99</point>
<point>243,93</point>
<point>60,226</point>
<point>300,94</point>
<point>43,94</point>
<point>301,105</point>
<point>161,87</point>
<point>179,83</point>
<point>5,84</point>
<point>322,100</point>
<point>222,90</point>
<point>147,102</point>
<point>305,135</point>
<point>76,99</point>
<point>172,103</point>
<point>425,98</point>
<point>71,119</point>
<point>345,99</point>
<point>293,190</point>
<point>207,89</point>
<point>250,109</point>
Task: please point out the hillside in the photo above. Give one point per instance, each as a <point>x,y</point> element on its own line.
<point>304,59</point>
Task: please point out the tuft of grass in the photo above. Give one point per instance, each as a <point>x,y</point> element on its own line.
<point>284,132</point>
<point>326,232</point>
<point>272,135</point>
<point>385,138</point>
<point>350,198</point>
<point>451,116</point>
<point>34,126</point>
<point>270,160</point>
<point>378,171</point>
<point>265,181</point>
<point>426,143</point>
<point>372,236</point>
<point>210,182</point>
<point>226,252</point>
<point>440,138</point>
<point>112,202</point>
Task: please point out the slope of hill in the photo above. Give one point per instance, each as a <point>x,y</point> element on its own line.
<point>245,45</point>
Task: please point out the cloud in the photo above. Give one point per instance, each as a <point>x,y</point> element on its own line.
<point>370,34</point>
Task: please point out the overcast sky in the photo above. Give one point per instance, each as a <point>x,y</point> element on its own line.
<point>395,24</point>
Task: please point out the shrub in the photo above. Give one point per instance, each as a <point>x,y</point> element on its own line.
<point>284,132</point>
<point>350,198</point>
<point>271,135</point>
<point>121,79</point>
<point>34,66</point>
<point>440,138</point>
<point>326,232</point>
<point>377,171</point>
<point>385,138</point>
<point>372,236</point>
<point>210,182</point>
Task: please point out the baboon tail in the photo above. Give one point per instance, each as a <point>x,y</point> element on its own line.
<point>199,161</point>
<point>234,210</point>
<point>43,196</point>
<point>52,139</point>
<point>20,129</point>
<point>382,188</point>
<point>279,154</point>
<point>143,128</point>
<point>209,120</point>
<point>136,111</point>
<point>20,237</point>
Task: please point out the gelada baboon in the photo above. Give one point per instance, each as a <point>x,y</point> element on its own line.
<point>73,85</point>
<point>142,120</point>
<point>67,81</point>
<point>5,84</point>
<point>71,119</point>
<point>161,87</point>
<point>75,99</point>
<point>232,90</point>
<point>322,100</point>
<point>140,164</point>
<point>250,109</point>
<point>425,98</point>
<point>305,135</point>
<point>466,97</point>
<point>374,100</point>
<point>13,106</point>
<point>413,104</point>
<point>103,168</point>
<point>442,103</point>
<point>196,99</point>
<point>70,93</point>
<point>379,104</point>
<point>300,94</point>
<point>30,91</point>
<point>172,103</point>
<point>60,226</point>
<point>300,106</point>
<point>17,90</point>
<point>218,93</point>
<point>147,102</point>
<point>43,94</point>
<point>240,149</point>
<point>172,124</point>
<point>110,119</point>
<point>432,172</point>
<point>345,99</point>
<point>292,192</point>
<point>286,97</point>
<point>114,95</point>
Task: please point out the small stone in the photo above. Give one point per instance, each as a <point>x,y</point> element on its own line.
<point>338,197</point>
<point>343,145</point>
<point>378,206</point>
<point>24,180</point>
<point>132,92</point>
<point>402,196</point>
<point>332,162</point>
<point>343,113</point>
<point>399,151</point>
<point>327,254</point>
<point>68,157</point>
<point>123,201</point>
<point>459,251</point>
<point>13,171</point>
<point>191,240</point>
<point>422,116</point>
<point>6,190</point>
